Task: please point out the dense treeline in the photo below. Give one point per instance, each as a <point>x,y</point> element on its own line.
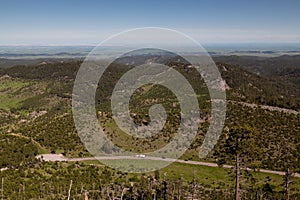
<point>16,151</point>
<point>56,133</point>
<point>285,67</point>
<point>276,135</point>
<point>248,87</point>
<point>50,71</point>
<point>55,180</point>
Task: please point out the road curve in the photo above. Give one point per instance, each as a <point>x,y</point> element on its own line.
<point>60,157</point>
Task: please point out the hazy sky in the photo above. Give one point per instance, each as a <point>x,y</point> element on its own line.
<point>89,22</point>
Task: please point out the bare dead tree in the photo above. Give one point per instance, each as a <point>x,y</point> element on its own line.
<point>86,195</point>
<point>154,195</point>
<point>2,189</point>
<point>69,192</point>
<point>19,195</point>
<point>287,181</point>
<point>50,190</point>
<point>237,177</point>
<point>93,191</point>
<point>173,191</point>
<point>81,190</point>
<point>179,188</point>
<point>24,194</point>
<point>108,195</point>
<point>193,186</point>
<point>165,187</point>
<point>123,192</point>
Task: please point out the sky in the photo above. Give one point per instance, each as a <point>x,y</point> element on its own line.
<point>74,22</point>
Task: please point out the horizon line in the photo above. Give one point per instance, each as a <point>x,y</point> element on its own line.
<point>94,44</point>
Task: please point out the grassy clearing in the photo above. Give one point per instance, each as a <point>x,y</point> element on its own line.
<point>12,85</point>
<point>224,178</point>
<point>212,177</point>
<point>12,94</point>
<point>22,95</point>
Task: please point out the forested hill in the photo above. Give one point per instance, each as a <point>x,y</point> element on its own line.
<point>286,67</point>
<point>242,84</point>
<point>36,114</point>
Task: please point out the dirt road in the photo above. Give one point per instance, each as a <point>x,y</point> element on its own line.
<point>266,107</point>
<point>60,157</point>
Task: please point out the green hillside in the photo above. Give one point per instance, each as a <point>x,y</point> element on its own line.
<point>35,108</point>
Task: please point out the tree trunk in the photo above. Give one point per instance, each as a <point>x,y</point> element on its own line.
<point>237,177</point>
<point>69,192</point>
<point>287,184</point>
<point>165,188</point>
<point>123,192</point>
<point>86,195</point>
<point>24,193</point>
<point>179,189</point>
<point>2,190</point>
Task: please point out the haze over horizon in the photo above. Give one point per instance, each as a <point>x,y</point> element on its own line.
<point>88,23</point>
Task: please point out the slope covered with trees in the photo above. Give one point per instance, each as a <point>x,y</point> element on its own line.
<point>41,121</point>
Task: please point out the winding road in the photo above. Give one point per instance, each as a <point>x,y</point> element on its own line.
<point>60,157</point>
<point>266,107</point>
